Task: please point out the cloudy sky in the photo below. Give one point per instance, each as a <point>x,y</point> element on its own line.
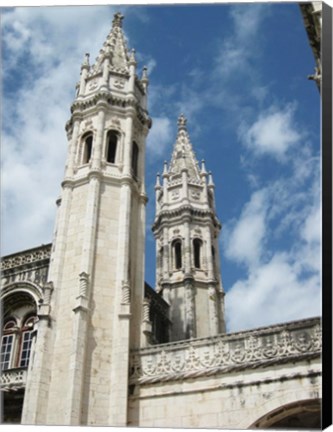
<point>239,74</point>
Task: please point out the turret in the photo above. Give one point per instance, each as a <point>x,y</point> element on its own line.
<point>186,230</point>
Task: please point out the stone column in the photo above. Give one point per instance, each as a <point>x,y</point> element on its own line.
<point>73,146</point>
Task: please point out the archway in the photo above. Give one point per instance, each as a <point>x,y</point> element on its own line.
<point>305,414</point>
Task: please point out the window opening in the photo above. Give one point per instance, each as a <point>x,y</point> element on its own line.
<point>197,253</point>
<point>112,147</point>
<point>135,159</point>
<point>178,254</point>
<point>6,350</point>
<point>88,142</point>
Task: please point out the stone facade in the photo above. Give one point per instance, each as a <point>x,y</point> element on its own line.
<point>82,332</point>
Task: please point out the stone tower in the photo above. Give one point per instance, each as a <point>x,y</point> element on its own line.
<point>186,230</point>
<point>92,305</point>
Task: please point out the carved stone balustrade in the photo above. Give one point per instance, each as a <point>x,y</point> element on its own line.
<point>293,341</point>
<point>13,379</point>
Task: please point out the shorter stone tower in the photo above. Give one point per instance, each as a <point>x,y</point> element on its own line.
<point>186,230</point>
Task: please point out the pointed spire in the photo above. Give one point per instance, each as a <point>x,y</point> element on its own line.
<point>183,156</point>
<point>114,47</point>
<point>182,123</point>
<point>117,20</point>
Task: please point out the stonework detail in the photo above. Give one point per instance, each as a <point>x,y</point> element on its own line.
<point>224,353</point>
<point>13,379</point>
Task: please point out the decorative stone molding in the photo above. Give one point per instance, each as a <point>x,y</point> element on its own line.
<point>295,341</point>
<point>27,257</point>
<point>13,379</point>
<point>125,293</point>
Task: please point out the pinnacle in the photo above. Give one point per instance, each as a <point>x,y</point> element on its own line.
<point>183,156</point>
<point>117,20</point>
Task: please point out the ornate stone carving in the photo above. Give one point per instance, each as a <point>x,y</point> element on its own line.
<point>93,84</point>
<point>195,195</point>
<point>125,293</point>
<point>26,257</point>
<point>295,341</point>
<point>119,83</point>
<point>175,195</point>
<point>13,379</point>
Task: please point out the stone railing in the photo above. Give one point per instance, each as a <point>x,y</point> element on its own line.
<point>291,341</point>
<point>13,379</point>
<point>26,257</point>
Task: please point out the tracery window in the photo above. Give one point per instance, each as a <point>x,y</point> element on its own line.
<point>112,141</point>
<point>197,244</point>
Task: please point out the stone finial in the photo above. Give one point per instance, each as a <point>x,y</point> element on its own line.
<point>182,122</point>
<point>203,167</point>
<point>158,183</point>
<point>132,57</point>
<point>117,20</point>
<point>85,62</point>
<point>210,179</point>
<point>165,167</point>
<point>144,78</point>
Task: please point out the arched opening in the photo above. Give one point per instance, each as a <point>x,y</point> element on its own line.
<point>111,151</point>
<point>87,147</point>
<point>197,244</point>
<point>177,254</point>
<point>305,414</point>
<point>135,159</point>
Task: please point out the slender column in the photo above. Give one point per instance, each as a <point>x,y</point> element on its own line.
<point>72,148</point>
<point>184,184</point>
<point>36,391</point>
<point>128,146</point>
<point>166,253</point>
<point>84,72</point>
<point>190,327</point>
<point>187,248</point>
<point>97,146</point>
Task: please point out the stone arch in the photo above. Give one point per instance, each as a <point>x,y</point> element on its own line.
<point>297,415</point>
<point>20,293</point>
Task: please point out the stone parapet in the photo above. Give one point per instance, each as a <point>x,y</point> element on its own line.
<point>293,341</point>
<point>13,379</point>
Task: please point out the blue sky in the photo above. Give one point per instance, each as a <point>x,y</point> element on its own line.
<point>239,74</point>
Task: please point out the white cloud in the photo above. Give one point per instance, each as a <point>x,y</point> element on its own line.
<point>42,52</point>
<point>246,241</point>
<point>273,133</point>
<point>160,137</point>
<point>283,282</point>
<point>274,292</point>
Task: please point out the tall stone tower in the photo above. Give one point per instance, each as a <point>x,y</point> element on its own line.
<point>186,230</point>
<point>90,316</point>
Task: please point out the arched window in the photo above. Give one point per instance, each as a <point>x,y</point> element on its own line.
<point>177,252</point>
<point>16,343</point>
<point>87,147</point>
<point>135,159</point>
<point>197,243</point>
<point>112,140</point>
<point>26,340</point>
<point>7,344</point>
